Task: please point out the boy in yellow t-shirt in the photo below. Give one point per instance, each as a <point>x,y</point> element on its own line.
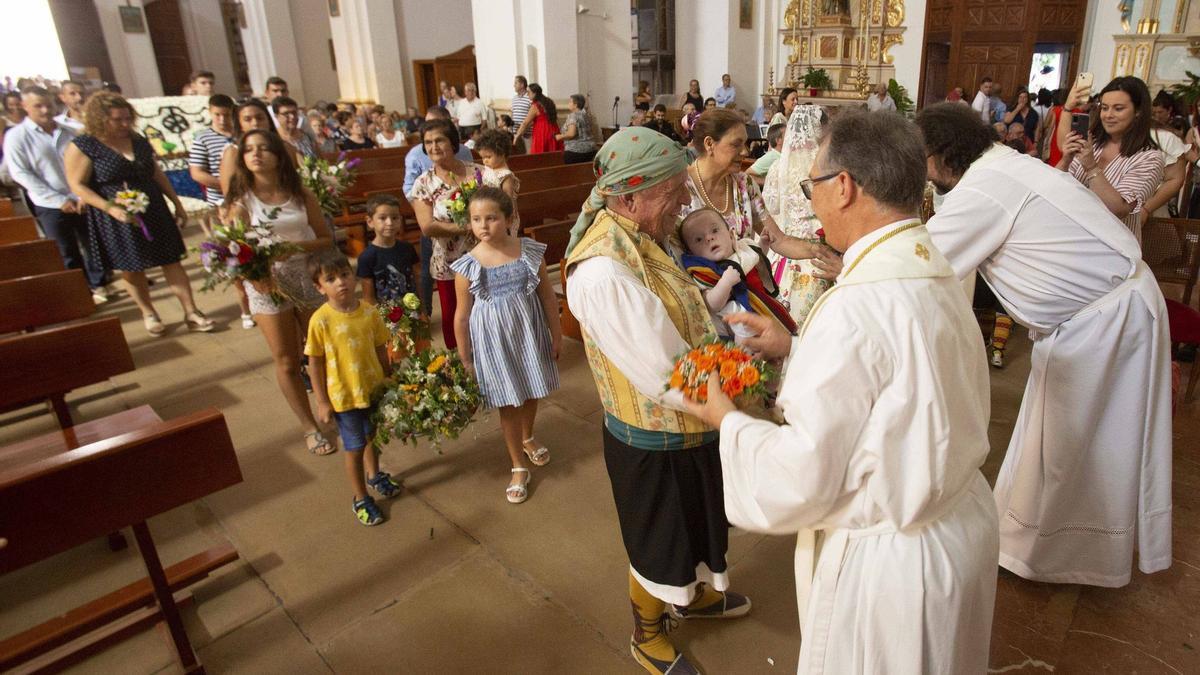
<point>346,353</point>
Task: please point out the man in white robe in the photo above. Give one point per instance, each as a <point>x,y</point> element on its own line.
<point>885,397</point>
<point>1088,470</point>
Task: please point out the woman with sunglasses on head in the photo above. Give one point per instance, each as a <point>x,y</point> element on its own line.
<point>110,157</point>
<point>265,189</point>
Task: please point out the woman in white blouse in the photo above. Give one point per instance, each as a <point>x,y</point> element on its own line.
<point>388,137</point>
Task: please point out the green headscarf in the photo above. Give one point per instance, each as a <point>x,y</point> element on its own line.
<point>633,159</point>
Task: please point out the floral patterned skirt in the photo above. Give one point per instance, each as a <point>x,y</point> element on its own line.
<point>799,287</point>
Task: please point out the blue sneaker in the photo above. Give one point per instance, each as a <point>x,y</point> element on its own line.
<point>384,485</point>
<point>367,512</point>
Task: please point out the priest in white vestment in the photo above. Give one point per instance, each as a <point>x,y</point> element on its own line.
<point>885,396</point>
<point>1088,471</point>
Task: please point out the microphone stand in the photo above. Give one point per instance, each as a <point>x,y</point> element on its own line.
<point>616,121</point>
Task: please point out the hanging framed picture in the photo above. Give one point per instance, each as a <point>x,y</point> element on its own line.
<point>746,14</point>
<point>335,7</point>
<point>131,19</point>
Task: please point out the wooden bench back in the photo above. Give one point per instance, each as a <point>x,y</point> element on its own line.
<point>44,299</point>
<point>538,161</point>
<point>1171,247</point>
<point>17,229</point>
<point>555,236</point>
<point>6,208</point>
<point>375,181</point>
<point>372,153</point>
<point>384,163</point>
<point>52,362</point>
<point>28,258</point>
<point>556,203</point>
<point>112,483</point>
<point>535,180</point>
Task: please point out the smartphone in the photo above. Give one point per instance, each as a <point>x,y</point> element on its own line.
<point>1080,122</point>
<point>1084,80</point>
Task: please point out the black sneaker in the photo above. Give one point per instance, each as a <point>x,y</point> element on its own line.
<point>679,666</point>
<point>730,606</point>
<point>384,484</point>
<point>367,511</point>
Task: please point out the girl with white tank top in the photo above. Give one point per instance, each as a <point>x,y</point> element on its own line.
<point>289,221</point>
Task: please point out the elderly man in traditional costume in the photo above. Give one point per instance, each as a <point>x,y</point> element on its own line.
<point>639,310</point>
<point>1088,470</point>
<point>885,399</point>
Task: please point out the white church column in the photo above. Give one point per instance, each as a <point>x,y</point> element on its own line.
<point>270,45</point>
<point>605,49</point>
<point>368,52</point>
<point>703,30</point>
<point>534,38</point>
<point>208,47</point>
<point>131,54</point>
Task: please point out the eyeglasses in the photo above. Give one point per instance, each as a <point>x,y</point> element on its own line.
<point>806,185</point>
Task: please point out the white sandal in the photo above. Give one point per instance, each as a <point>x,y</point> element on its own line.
<point>518,493</point>
<point>539,456</point>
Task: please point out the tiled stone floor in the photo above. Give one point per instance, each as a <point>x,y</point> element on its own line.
<point>458,580</point>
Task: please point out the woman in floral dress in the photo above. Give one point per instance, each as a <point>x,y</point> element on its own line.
<point>715,180</point>
<point>428,197</point>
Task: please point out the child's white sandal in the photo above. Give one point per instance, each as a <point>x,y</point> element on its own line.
<point>517,493</point>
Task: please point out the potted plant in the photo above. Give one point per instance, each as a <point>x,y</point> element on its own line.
<point>816,80</point>
<point>1189,93</point>
<point>904,104</point>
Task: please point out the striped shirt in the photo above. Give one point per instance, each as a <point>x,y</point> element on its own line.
<point>1136,178</point>
<point>206,151</point>
<point>520,109</point>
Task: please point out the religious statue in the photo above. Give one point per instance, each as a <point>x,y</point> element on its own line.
<point>1125,7</point>
<point>835,7</point>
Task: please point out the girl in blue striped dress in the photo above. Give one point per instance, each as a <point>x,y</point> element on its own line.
<point>507,328</point>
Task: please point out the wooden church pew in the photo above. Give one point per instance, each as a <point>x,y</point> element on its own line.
<point>49,364</point>
<point>44,299</point>
<point>105,475</point>
<point>30,257</point>
<point>17,229</point>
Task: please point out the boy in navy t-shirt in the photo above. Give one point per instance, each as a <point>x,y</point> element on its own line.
<point>386,267</point>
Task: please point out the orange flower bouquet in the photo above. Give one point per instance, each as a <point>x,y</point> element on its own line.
<point>742,376</point>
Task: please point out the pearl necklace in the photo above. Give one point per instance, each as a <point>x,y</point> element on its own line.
<point>704,193</point>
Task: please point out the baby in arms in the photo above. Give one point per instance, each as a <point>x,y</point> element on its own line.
<point>730,273</point>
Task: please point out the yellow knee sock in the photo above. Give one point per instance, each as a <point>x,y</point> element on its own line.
<point>708,596</point>
<point>648,631</point>
<point>1000,333</point>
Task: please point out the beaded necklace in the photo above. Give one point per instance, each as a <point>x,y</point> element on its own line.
<point>728,190</point>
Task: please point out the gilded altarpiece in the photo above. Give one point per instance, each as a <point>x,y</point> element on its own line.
<point>850,39</point>
<point>1161,45</point>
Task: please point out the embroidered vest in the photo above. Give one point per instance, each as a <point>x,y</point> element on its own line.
<point>618,238</point>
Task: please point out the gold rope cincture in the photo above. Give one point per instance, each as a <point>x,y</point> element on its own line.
<point>821,301</point>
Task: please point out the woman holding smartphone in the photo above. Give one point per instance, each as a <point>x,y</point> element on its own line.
<point>1117,159</point>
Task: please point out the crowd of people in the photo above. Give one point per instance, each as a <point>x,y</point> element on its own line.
<point>818,253</point>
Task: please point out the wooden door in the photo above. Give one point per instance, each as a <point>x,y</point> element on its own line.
<point>165,25</point>
<point>237,51</point>
<point>936,78</point>
<point>457,68</point>
<point>996,38</point>
<point>426,85</point>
